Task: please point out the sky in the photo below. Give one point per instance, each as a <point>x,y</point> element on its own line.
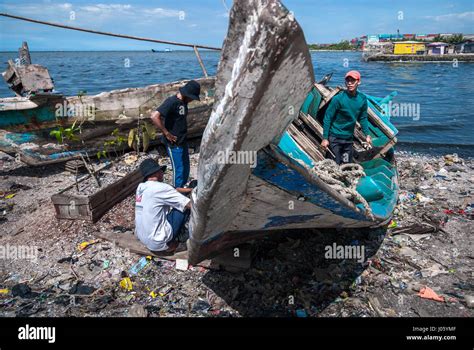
<point>205,21</point>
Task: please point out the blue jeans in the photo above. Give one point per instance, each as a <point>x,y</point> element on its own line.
<point>177,220</point>
<point>179,156</point>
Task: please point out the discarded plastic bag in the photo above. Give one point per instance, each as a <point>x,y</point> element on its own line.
<point>126,284</point>
<point>428,293</point>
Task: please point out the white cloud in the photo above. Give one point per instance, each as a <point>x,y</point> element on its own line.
<point>453,16</point>
<point>160,12</point>
<point>90,13</point>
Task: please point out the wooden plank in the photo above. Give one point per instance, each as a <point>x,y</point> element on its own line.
<point>374,118</point>
<point>317,129</point>
<point>305,144</point>
<point>133,244</point>
<point>385,148</point>
<point>326,94</point>
<point>64,199</point>
<point>98,211</point>
<point>103,195</point>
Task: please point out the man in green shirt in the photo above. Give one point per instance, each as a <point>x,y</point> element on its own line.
<point>344,110</point>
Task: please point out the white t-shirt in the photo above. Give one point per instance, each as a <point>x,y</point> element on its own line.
<point>154,200</point>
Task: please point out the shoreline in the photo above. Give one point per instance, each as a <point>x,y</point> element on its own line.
<point>420,58</point>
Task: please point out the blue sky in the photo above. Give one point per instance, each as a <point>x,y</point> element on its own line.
<point>205,21</point>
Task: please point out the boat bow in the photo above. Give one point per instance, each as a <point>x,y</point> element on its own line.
<point>264,74</point>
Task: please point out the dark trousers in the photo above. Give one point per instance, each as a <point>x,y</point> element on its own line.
<point>177,219</point>
<point>342,149</point>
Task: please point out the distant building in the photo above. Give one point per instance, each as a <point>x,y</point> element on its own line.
<point>379,47</point>
<point>465,47</point>
<point>408,48</point>
<point>437,48</point>
<point>372,39</point>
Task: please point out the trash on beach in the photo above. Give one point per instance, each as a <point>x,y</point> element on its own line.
<point>469,299</point>
<point>452,158</point>
<point>4,291</point>
<point>428,293</point>
<point>106,264</point>
<point>22,290</point>
<point>423,199</point>
<point>131,159</point>
<point>126,284</point>
<point>137,310</point>
<point>392,224</point>
<point>182,264</point>
<point>415,229</point>
<point>433,270</point>
<point>140,265</point>
<point>406,196</point>
<point>301,313</point>
<point>165,291</point>
<point>86,244</point>
<point>82,289</point>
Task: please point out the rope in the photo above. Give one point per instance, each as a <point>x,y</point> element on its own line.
<point>107,33</point>
<point>344,179</point>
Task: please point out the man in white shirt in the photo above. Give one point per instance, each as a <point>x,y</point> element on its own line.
<point>160,210</point>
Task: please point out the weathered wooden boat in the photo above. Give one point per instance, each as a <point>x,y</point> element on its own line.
<point>264,76</point>
<point>27,121</point>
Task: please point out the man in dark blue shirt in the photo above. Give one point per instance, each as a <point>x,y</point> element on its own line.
<point>174,111</point>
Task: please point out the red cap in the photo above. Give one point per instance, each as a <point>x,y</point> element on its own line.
<point>354,74</point>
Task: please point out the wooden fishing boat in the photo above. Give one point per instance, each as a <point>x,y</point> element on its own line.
<point>26,121</point>
<point>267,104</point>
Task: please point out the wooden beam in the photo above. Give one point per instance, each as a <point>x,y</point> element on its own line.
<point>200,61</point>
<point>305,144</point>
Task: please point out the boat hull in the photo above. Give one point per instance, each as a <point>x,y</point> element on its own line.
<point>25,124</point>
<point>264,75</point>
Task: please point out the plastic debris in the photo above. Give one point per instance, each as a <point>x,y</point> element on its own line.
<point>131,159</point>
<point>84,245</point>
<point>392,224</point>
<point>126,284</point>
<point>301,313</point>
<point>423,199</point>
<point>469,299</point>
<point>4,291</point>
<point>428,293</point>
<point>201,306</point>
<point>140,265</point>
<point>137,310</point>
<point>82,289</point>
<point>182,264</point>
<point>22,290</point>
<point>106,264</point>
<point>165,291</point>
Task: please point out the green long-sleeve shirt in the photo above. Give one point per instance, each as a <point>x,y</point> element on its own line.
<point>342,114</point>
